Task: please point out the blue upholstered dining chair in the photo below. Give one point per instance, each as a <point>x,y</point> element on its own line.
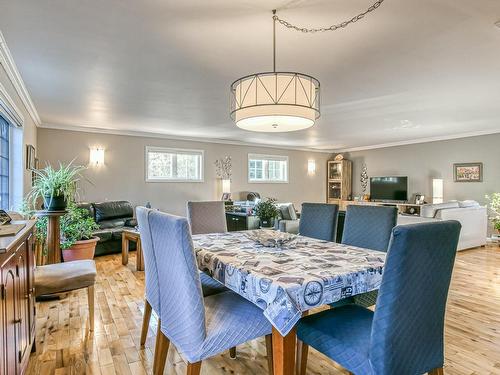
<point>369,227</point>
<point>198,327</point>
<point>319,220</point>
<point>207,217</point>
<point>405,333</point>
<point>152,298</point>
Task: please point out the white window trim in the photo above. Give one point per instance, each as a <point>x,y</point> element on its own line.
<point>270,157</point>
<point>173,150</point>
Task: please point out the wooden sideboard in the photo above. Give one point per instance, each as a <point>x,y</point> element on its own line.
<point>17,307</point>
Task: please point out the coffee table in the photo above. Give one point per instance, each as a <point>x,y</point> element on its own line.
<point>132,235</point>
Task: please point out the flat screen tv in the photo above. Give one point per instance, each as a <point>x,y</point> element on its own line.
<point>389,188</point>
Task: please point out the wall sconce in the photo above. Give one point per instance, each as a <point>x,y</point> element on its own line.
<point>96,156</point>
<point>226,186</point>
<point>437,190</point>
<point>311,167</point>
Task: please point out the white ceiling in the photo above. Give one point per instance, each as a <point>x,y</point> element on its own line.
<point>411,70</point>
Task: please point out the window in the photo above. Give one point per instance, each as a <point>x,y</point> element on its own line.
<point>267,168</point>
<point>4,164</point>
<point>173,165</point>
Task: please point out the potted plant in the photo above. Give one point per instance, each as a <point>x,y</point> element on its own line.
<point>56,187</point>
<point>494,206</point>
<point>267,211</point>
<point>77,227</point>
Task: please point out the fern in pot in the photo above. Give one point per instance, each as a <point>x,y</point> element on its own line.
<point>267,211</point>
<point>77,228</point>
<point>56,187</point>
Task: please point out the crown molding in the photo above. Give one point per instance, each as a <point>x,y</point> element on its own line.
<point>7,61</point>
<point>419,140</point>
<point>132,133</point>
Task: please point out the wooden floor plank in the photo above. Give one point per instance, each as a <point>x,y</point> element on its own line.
<point>64,345</point>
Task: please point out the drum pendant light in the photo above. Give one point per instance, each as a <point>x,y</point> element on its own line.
<point>275,101</point>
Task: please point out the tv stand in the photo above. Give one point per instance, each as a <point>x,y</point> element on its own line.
<point>403,208</point>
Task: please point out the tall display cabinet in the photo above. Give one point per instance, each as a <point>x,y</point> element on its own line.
<point>339,181</point>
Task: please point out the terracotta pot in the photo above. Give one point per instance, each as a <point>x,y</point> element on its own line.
<point>81,250</point>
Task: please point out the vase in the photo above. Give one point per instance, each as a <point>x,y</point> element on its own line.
<point>267,223</point>
<point>81,250</point>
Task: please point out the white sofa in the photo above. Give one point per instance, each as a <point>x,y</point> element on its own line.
<point>472,216</point>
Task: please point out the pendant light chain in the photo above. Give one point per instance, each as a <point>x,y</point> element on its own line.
<point>331,28</point>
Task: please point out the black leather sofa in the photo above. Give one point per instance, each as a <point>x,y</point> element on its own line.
<point>112,217</point>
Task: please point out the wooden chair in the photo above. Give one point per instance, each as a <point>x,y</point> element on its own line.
<point>200,327</point>
<point>65,277</point>
<point>405,334</point>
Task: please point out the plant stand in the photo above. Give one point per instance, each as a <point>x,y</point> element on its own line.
<point>53,235</point>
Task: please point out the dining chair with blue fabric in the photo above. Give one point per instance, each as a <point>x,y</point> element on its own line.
<point>405,333</point>
<point>319,220</point>
<point>369,227</point>
<point>198,327</point>
<point>207,217</point>
<point>152,303</point>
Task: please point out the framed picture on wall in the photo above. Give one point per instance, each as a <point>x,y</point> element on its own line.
<point>30,157</point>
<point>468,172</point>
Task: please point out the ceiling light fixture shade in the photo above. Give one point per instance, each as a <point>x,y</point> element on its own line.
<point>275,101</point>
<point>281,101</point>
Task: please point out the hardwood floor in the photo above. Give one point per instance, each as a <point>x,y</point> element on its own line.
<point>65,346</point>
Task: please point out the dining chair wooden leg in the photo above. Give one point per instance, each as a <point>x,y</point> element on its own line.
<point>91,298</point>
<point>301,362</point>
<point>437,371</point>
<point>145,322</point>
<point>161,351</point>
<point>269,353</point>
<point>232,352</point>
<point>193,368</point>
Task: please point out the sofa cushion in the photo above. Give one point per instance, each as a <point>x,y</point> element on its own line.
<point>113,210</point>
<point>287,211</point>
<point>104,235</point>
<point>110,224</point>
<point>132,222</point>
<point>468,203</point>
<point>430,210</point>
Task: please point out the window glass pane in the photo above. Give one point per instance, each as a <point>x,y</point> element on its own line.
<point>262,168</point>
<point>172,164</point>
<point>4,163</point>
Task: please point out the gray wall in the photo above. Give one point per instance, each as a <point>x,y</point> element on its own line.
<point>424,161</point>
<point>122,176</point>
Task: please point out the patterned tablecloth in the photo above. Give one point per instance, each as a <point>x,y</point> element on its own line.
<point>285,282</point>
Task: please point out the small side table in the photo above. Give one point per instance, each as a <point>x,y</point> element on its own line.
<point>53,234</point>
<point>132,235</point>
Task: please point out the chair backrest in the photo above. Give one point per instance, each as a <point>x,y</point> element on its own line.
<point>369,226</point>
<point>407,331</point>
<point>207,217</point>
<point>151,272</point>
<point>319,220</point>
<point>182,312</point>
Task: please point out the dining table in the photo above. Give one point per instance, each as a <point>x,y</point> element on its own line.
<point>287,279</point>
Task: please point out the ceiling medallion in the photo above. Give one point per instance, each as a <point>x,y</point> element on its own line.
<point>280,101</point>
